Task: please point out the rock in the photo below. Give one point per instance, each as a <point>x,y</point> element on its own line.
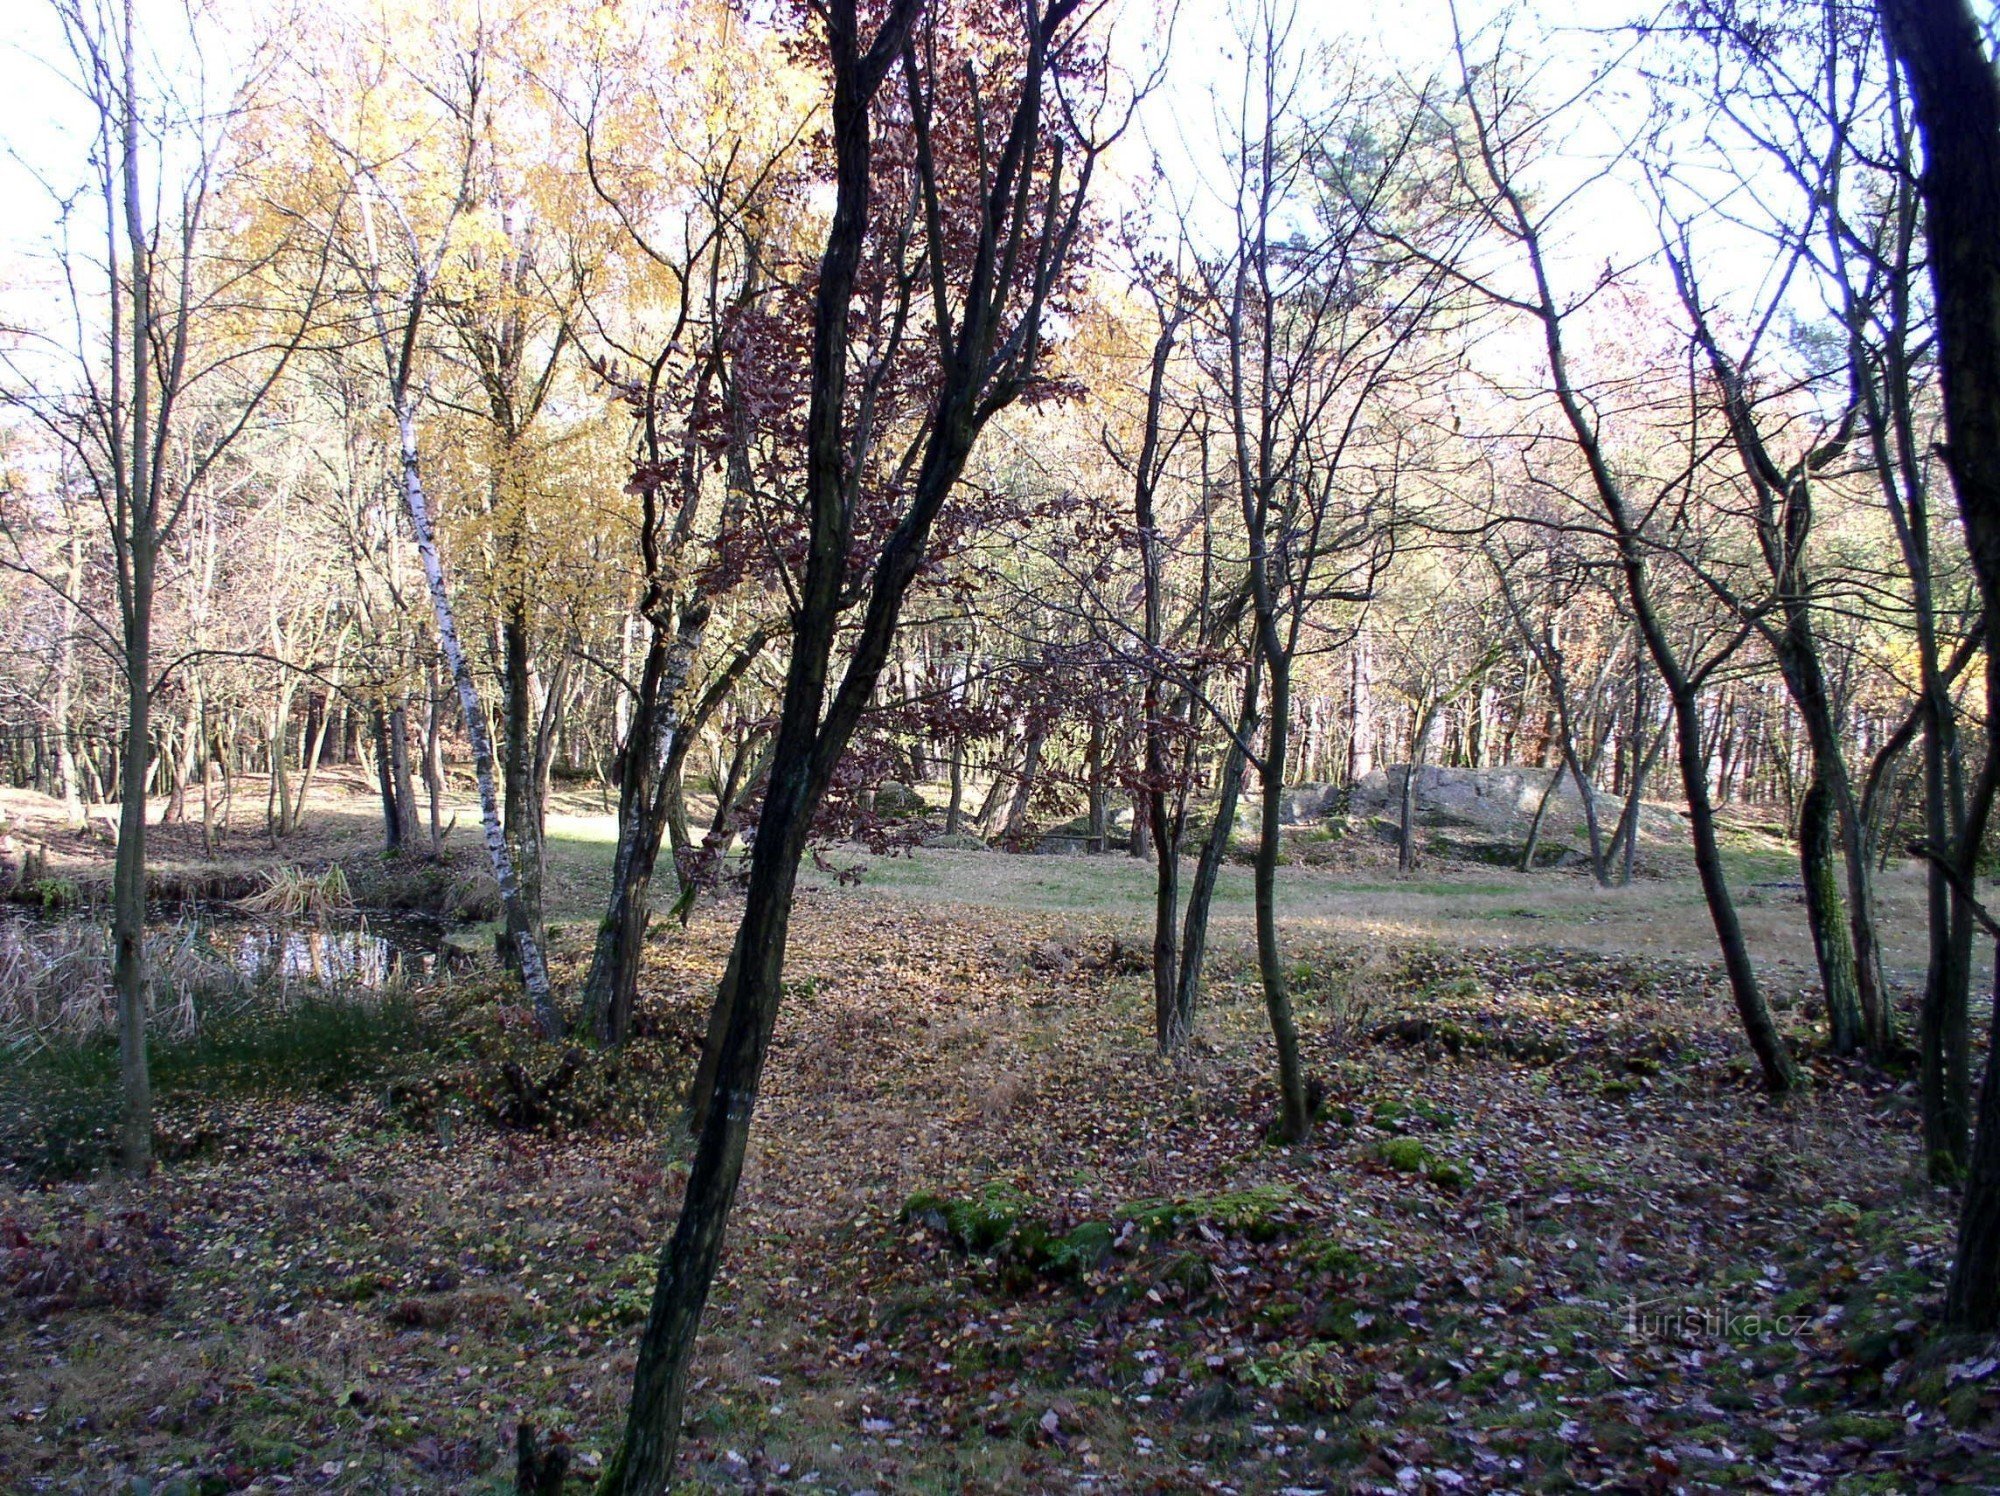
<point>955,841</point>
<point>1309,802</point>
<point>899,802</point>
<point>1497,799</point>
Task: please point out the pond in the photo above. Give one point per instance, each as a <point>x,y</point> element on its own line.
<point>209,945</point>
<point>349,951</point>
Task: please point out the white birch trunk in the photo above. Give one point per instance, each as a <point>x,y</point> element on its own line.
<point>534,971</point>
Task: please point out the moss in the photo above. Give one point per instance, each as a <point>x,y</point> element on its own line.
<point>52,893</point>
<point>1961,1408</point>
<point>1350,1322</point>
<point>1408,1156</point>
<point>1082,1250</point>
<point>1330,1257</point>
<point>1399,1114</point>
<point>1261,1213</point>
<point>1404,1155</point>
<point>1875,1430</point>
<point>1189,1272</point>
<point>976,1223</point>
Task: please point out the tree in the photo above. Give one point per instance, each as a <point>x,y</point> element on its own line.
<point>1316,321</point>
<point>1804,90</point>
<point>1956,93</point>
<point>700,228</point>
<point>170,354</point>
<point>989,155</point>
<point>396,220</point>
<point>1498,130</point>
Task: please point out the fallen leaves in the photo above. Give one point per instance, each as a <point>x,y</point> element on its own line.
<point>1526,1306</point>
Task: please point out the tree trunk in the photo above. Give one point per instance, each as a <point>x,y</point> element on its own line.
<point>399,765</point>
<point>1972,1299</point>
<point>534,973</point>
<point>1758,1027</point>
<point>1532,844</point>
<point>434,782</point>
<point>1826,915</point>
<point>1627,849</point>
<point>1016,824</point>
<point>385,785</point>
<point>813,733</point>
<point>1214,848</point>
<point>1141,845</point>
<point>1956,97</point>
<point>522,806</point>
<point>954,811</point>
<point>65,671</point>
<point>1295,1107</point>
<point>988,819</point>
<point>1096,786</point>
<point>128,876</point>
<point>649,765</point>
<point>279,813</point>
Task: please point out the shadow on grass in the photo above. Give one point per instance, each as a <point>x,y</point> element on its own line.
<point>59,1099</point>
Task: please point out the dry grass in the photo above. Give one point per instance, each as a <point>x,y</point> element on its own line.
<point>385,1303</point>
<point>292,892</point>
<point>1454,903</point>
<point>55,981</point>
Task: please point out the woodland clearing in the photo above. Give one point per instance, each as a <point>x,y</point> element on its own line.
<point>1551,1237</point>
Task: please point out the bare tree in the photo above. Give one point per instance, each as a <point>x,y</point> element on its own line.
<point>1956,92</point>
<point>169,355</point>
<point>1023,202</point>
<point>1313,322</point>
<point>1498,129</point>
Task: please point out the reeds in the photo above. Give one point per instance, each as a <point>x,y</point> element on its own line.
<point>291,892</point>
<point>55,980</point>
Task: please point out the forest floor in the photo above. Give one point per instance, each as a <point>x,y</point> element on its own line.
<point>1549,1235</point>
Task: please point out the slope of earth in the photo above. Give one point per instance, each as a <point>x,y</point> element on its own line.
<point>1548,1237</point>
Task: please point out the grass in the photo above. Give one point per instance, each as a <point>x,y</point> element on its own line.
<point>59,1102</point>
<point>1654,917</point>
<point>292,892</point>
<point>215,1030</point>
<point>391,1299</point>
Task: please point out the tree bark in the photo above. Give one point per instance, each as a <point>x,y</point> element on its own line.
<point>1016,824</point>
<point>1295,1117</point>
<point>128,875</point>
<point>1956,98</point>
<point>141,540</point>
<point>385,786</point>
<point>399,765</point>
<point>1826,916</point>
<point>954,810</point>
<point>522,807</point>
<point>534,972</point>
<point>1214,848</point>
<point>1972,1298</point>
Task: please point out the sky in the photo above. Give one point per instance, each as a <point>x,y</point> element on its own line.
<point>45,135</point>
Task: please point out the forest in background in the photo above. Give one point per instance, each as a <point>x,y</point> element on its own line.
<point>951,425</point>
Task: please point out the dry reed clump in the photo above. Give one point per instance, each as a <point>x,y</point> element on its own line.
<point>55,981</point>
<point>291,892</point>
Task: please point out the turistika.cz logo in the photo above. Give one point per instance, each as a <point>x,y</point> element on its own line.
<point>1676,1319</point>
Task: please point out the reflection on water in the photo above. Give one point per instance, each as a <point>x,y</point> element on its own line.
<point>348,952</point>
<point>359,955</point>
